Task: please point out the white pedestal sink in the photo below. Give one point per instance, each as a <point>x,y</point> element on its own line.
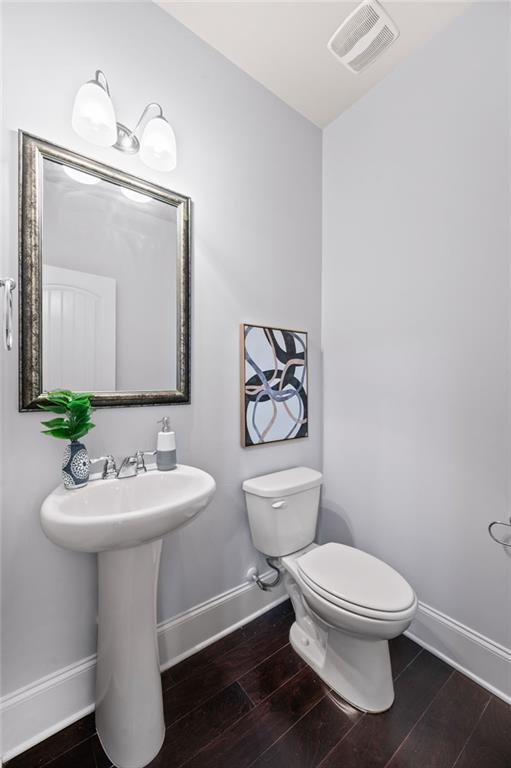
<point>123,521</point>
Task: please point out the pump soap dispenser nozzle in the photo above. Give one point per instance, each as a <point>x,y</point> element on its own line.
<point>166,446</point>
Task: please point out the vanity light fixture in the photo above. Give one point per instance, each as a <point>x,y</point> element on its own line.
<point>94,120</point>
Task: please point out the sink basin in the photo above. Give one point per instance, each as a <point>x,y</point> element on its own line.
<point>123,521</point>
<point>113,514</point>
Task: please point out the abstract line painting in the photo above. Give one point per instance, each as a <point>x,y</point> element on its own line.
<point>273,385</point>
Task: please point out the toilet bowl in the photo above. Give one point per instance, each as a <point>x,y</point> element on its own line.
<point>347,603</point>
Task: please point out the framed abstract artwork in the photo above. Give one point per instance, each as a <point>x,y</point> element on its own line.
<point>274,385</point>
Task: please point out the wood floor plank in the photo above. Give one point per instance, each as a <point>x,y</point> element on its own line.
<point>439,736</point>
<point>375,738</point>
<point>81,756</point>
<point>221,672</point>
<point>254,629</point>
<point>490,744</point>
<point>402,652</point>
<point>246,740</point>
<point>311,738</point>
<point>197,729</point>
<point>261,681</point>
<point>49,749</point>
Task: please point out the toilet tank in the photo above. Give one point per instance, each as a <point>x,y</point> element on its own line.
<point>283,510</point>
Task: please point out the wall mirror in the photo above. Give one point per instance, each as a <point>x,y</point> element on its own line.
<point>104,282</point>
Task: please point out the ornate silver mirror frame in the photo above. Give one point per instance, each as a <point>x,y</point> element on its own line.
<point>32,152</point>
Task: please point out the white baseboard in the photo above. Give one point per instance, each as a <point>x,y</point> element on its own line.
<point>486,662</point>
<point>36,711</point>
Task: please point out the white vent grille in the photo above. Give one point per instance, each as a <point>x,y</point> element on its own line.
<point>363,36</point>
<point>373,50</point>
<point>354,29</point>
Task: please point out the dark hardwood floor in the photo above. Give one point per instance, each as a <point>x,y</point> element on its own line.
<point>248,701</point>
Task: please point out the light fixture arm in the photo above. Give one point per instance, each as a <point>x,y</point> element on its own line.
<point>100,74</point>
<point>144,114</point>
<point>127,140</point>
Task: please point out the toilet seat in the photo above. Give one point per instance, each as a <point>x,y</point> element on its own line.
<point>356,582</point>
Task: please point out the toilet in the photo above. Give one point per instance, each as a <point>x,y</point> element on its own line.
<point>347,603</point>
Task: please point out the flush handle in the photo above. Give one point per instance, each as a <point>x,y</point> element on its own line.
<point>279,504</point>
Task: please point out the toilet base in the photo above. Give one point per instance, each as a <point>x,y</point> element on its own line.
<point>357,670</point>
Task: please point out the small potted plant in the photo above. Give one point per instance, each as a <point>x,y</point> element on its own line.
<point>73,423</point>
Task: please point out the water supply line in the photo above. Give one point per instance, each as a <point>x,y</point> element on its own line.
<point>253,575</point>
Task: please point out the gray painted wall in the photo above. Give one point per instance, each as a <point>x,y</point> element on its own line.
<point>253,169</point>
<point>415,321</point>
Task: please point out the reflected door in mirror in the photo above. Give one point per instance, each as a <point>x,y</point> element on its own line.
<point>78,330</point>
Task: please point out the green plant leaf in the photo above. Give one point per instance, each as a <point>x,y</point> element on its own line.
<point>58,404</point>
<point>61,433</point>
<point>82,432</point>
<point>79,408</point>
<point>54,423</point>
<point>53,408</point>
<point>79,419</point>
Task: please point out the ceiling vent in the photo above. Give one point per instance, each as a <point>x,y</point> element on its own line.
<point>363,36</point>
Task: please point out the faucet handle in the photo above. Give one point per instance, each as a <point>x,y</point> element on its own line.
<point>110,469</point>
<point>141,467</point>
<point>109,466</point>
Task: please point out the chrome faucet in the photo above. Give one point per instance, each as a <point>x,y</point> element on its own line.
<point>109,467</point>
<point>132,465</point>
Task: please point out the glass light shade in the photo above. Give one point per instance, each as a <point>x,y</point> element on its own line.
<point>158,145</point>
<point>137,197</point>
<point>80,176</point>
<point>93,115</point>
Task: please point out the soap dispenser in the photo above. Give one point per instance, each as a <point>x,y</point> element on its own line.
<point>166,447</point>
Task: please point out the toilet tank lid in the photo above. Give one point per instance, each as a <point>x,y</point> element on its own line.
<point>283,483</point>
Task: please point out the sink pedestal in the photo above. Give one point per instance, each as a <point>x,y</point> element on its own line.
<point>129,703</point>
<point>124,522</point>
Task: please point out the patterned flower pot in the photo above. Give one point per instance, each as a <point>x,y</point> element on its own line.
<point>75,466</point>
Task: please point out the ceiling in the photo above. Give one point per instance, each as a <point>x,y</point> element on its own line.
<point>283,45</point>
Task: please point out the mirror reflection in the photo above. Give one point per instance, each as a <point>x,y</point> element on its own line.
<point>109,285</point>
